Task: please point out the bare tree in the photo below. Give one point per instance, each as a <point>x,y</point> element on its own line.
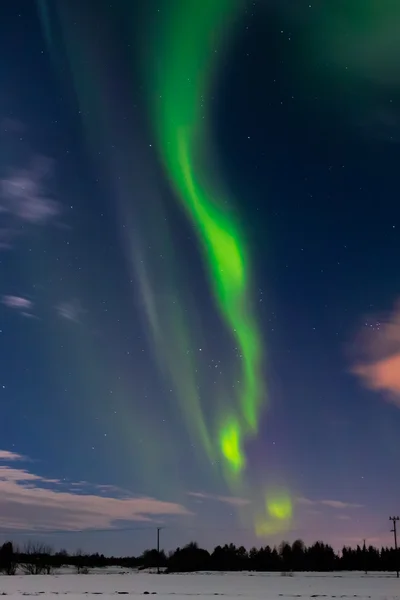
<point>37,559</point>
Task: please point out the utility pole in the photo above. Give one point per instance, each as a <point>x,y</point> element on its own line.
<point>158,549</point>
<point>394,531</point>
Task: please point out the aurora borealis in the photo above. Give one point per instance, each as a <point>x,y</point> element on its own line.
<point>199,242</point>
<point>181,127</point>
<point>180,114</point>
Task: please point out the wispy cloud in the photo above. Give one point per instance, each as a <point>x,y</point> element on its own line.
<point>71,310</point>
<point>25,199</point>
<point>17,302</point>
<point>31,502</point>
<point>340,505</point>
<point>8,456</point>
<point>20,304</point>
<point>378,345</point>
<point>305,501</point>
<point>336,504</point>
<point>232,500</point>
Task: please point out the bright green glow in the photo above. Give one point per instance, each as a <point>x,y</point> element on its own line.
<point>227,264</point>
<point>279,507</point>
<point>231,445</point>
<point>222,241</point>
<point>278,514</point>
<point>183,64</point>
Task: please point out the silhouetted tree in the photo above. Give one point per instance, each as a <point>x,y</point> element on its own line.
<point>38,558</point>
<point>298,556</point>
<point>322,557</point>
<point>189,558</point>
<point>8,559</point>
<point>285,552</point>
<point>152,558</point>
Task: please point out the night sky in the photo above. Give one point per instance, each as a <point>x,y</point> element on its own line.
<point>143,143</point>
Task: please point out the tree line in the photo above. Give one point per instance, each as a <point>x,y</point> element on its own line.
<point>35,559</point>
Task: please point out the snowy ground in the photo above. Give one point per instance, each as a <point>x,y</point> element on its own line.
<point>230,585</point>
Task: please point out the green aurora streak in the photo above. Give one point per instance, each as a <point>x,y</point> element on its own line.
<point>183,73</point>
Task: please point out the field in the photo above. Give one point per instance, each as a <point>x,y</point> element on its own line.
<point>230,585</point>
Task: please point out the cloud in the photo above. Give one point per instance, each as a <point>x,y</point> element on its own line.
<point>378,345</point>
<point>17,302</point>
<point>232,500</point>
<point>23,305</point>
<point>25,199</point>
<point>336,504</point>
<point>301,500</point>
<point>305,502</point>
<point>340,505</point>
<point>71,310</point>
<point>8,456</point>
<point>31,502</point>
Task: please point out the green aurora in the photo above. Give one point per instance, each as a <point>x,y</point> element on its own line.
<point>182,80</point>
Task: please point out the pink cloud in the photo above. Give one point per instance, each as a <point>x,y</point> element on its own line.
<point>17,302</point>
<point>382,376</point>
<point>10,456</point>
<point>29,501</point>
<point>21,304</point>
<point>379,346</point>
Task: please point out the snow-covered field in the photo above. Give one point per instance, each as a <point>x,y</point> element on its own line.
<point>230,585</point>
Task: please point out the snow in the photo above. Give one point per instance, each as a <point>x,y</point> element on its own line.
<point>257,586</point>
